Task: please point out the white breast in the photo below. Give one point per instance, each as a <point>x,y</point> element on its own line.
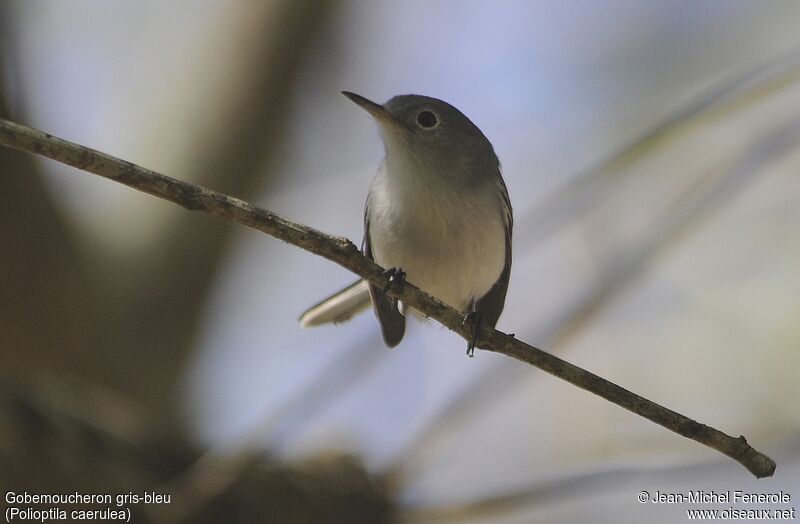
<point>449,239</point>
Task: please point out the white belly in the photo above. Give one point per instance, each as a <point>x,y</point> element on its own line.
<point>451,244</point>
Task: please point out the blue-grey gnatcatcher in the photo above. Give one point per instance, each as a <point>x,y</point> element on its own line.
<point>438,210</point>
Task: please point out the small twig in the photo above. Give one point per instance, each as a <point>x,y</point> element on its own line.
<point>688,211</point>
<point>347,255</point>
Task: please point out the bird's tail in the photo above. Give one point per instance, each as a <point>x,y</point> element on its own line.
<point>339,307</point>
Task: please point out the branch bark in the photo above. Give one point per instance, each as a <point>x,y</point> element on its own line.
<point>343,252</point>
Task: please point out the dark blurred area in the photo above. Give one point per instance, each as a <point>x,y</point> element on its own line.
<point>88,399</point>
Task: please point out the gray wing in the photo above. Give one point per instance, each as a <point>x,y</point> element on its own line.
<point>490,306</point>
<point>393,323</point>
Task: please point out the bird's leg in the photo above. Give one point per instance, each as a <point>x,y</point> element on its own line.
<point>473,320</point>
<point>396,278</point>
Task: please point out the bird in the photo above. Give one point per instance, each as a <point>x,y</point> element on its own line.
<point>437,215</point>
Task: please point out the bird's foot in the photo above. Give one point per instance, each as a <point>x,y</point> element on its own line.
<point>473,321</point>
<point>396,278</point>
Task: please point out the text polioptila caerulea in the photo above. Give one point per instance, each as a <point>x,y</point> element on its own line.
<point>438,210</point>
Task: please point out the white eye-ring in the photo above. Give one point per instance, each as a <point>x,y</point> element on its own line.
<point>427,120</point>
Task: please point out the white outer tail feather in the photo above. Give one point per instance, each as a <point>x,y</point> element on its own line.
<point>339,307</point>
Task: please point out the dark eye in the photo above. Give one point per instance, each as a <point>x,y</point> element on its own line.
<point>427,119</point>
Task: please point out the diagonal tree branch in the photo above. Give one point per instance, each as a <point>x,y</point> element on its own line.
<point>346,254</point>
<point>688,211</point>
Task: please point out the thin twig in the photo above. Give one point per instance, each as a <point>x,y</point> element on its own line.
<point>688,212</point>
<point>583,191</point>
<point>347,255</point>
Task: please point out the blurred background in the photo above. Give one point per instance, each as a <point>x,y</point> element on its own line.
<point>651,150</point>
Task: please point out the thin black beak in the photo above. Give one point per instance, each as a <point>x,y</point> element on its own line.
<point>376,110</point>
